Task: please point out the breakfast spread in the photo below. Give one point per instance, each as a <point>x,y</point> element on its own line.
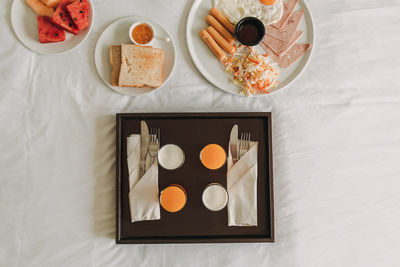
<point>273,29</point>
<point>69,15</point>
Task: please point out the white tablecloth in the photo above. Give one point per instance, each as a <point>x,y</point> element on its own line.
<point>336,136</point>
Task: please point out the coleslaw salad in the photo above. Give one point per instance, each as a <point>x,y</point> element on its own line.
<point>252,71</point>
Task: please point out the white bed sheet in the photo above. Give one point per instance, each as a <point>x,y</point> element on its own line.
<point>336,136</point>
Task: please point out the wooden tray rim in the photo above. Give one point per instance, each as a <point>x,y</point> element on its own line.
<point>204,239</point>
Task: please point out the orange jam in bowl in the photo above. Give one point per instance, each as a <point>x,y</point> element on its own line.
<point>142,33</point>
<point>173,198</point>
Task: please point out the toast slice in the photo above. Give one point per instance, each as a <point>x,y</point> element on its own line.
<point>141,66</point>
<point>115,61</point>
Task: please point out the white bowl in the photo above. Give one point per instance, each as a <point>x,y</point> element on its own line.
<point>137,24</point>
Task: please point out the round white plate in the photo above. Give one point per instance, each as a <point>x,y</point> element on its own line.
<point>118,33</point>
<point>24,23</point>
<point>212,70</point>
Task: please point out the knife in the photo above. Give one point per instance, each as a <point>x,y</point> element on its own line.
<point>233,143</point>
<point>144,145</point>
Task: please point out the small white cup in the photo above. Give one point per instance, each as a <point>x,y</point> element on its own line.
<point>165,39</point>
<point>215,197</point>
<point>137,24</point>
<point>171,157</point>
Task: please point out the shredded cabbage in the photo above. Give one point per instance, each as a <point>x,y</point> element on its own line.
<point>253,72</point>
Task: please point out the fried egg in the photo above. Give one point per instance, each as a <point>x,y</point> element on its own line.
<point>235,10</point>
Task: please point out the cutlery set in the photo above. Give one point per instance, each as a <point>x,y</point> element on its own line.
<point>149,146</point>
<point>238,147</point>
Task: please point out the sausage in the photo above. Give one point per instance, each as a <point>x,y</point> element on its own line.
<point>212,45</point>
<point>223,20</point>
<point>220,40</point>
<point>216,25</point>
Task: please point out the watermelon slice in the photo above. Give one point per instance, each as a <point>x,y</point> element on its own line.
<point>48,32</point>
<point>79,12</point>
<point>62,18</point>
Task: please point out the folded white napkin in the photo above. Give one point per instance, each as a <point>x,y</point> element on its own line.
<point>143,196</point>
<point>242,188</point>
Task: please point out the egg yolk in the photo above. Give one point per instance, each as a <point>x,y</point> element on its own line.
<point>268,2</point>
<point>173,198</point>
<point>213,156</point>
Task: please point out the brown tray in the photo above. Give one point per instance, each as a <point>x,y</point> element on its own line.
<point>194,223</point>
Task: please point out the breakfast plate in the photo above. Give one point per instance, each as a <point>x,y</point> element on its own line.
<point>117,33</point>
<point>213,71</point>
<point>23,20</point>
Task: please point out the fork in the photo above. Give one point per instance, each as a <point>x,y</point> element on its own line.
<point>244,144</point>
<point>154,145</point>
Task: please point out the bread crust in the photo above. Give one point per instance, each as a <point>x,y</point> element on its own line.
<point>115,67</point>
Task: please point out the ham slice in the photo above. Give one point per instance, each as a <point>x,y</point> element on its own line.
<point>288,8</point>
<point>290,57</point>
<point>281,47</point>
<point>287,33</point>
<point>270,52</point>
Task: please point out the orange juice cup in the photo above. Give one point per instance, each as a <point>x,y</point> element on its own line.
<point>173,198</point>
<point>213,156</point>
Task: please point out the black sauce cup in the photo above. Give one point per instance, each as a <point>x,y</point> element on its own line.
<point>256,30</point>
